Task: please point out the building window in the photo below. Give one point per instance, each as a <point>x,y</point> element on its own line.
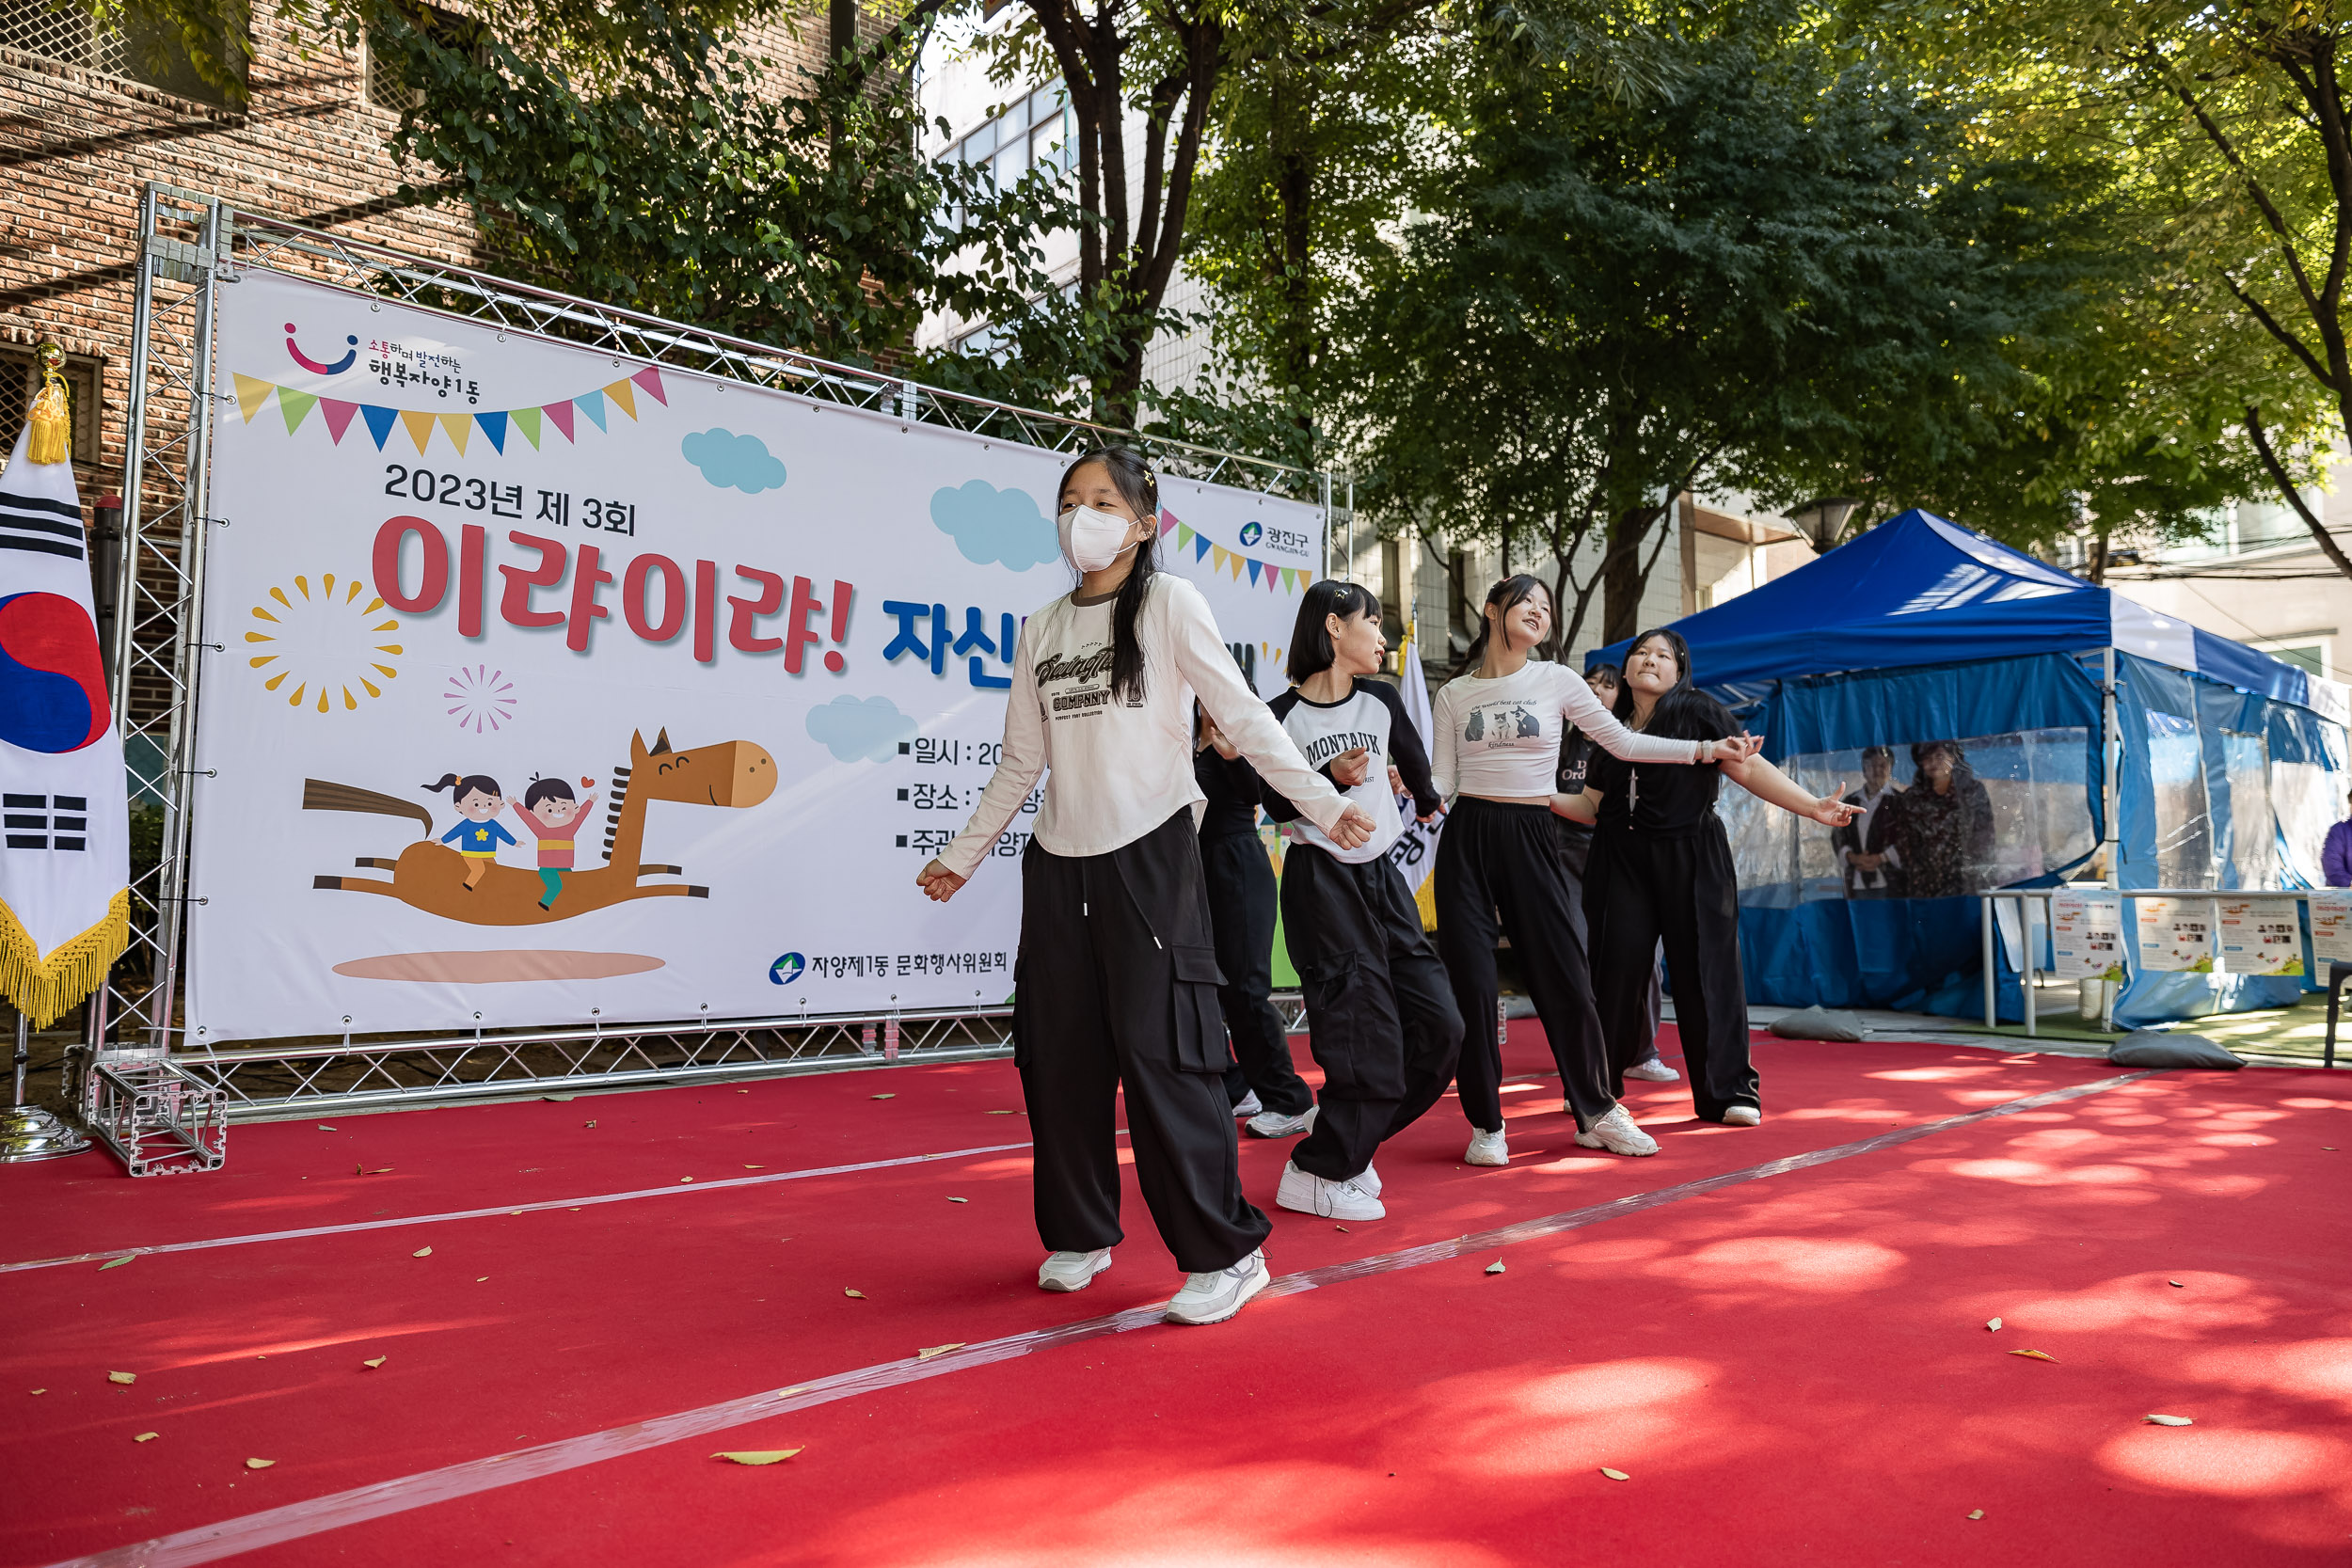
<point>66,36</point>
<point>145,51</point>
<point>20,378</point>
<point>1038,129</point>
<point>386,87</point>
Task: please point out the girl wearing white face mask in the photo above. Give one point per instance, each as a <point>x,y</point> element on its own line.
<point>1116,979</point>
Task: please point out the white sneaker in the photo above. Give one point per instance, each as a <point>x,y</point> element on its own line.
<point>1071,1271</point>
<point>1274,1124</point>
<point>1653,1072</point>
<point>1616,1133</point>
<point>1250,1104</point>
<point>1212,1298</point>
<point>1744,1116</point>
<point>1369,1179</point>
<point>1487,1149</point>
<point>1308,1193</point>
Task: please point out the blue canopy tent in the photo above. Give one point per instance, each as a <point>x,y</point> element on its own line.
<point>2226,762</point>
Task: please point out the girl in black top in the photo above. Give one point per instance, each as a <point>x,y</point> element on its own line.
<point>1576,849</point>
<point>1662,870</point>
<point>1242,895</point>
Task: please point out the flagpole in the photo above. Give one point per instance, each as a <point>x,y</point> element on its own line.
<point>26,1130</point>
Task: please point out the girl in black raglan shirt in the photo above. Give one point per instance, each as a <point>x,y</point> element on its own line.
<point>1380,1013</point>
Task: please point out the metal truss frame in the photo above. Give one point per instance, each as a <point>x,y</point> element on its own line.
<point>190,245</point>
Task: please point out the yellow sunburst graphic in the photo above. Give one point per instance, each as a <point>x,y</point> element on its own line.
<point>323,639</point>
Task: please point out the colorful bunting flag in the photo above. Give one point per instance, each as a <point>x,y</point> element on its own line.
<point>295,406</point>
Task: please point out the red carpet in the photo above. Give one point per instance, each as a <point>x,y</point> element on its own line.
<point>1791,1369</point>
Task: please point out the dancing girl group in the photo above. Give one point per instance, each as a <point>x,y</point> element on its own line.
<point>1146,918</point>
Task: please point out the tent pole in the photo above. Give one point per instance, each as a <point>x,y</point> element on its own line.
<point>2112,754</point>
<point>1991,982</point>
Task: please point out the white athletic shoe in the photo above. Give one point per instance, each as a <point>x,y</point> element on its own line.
<point>1616,1133</point>
<point>1653,1072</point>
<point>1308,1193</point>
<point>1369,1179</point>
<point>1212,1298</point>
<point>1250,1104</point>
<point>1487,1149</point>
<point>1274,1124</point>
<point>1744,1116</point>
<point>1071,1271</point>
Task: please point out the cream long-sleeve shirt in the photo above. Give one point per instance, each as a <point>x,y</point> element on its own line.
<point>1115,771</point>
<point>1501,738</point>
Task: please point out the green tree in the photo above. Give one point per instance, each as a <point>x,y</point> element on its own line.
<point>2227,128</point>
<point>1744,286</point>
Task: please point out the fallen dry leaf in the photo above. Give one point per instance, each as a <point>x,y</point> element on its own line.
<point>514,1210</point>
<point>860,1294</point>
<point>2034,1353</point>
<point>938,1350</point>
<point>146,1436</point>
<point>123,1377</point>
<point>1994,1323</point>
<point>684,1179</point>
<point>482,1279</point>
<point>37,1390</point>
<point>1614,1475</point>
<point>758,1456</point>
<point>586,1124</point>
<point>376,1361</point>
<point>2176,1284</point>
<point>1004,1113</point>
<point>1975,1513</point>
<point>787,1393</point>
<point>742,1091</point>
<point>885,1096</point>
<point>258,1463</point>
<point>115,1262</point>
<point>1340,1228</point>
<point>323,1128</point>
<point>1495,1267</point>
<point>754,1167</point>
<point>2169,1420</point>
<point>958,1200</point>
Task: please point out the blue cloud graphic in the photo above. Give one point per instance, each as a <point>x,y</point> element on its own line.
<point>853,727</point>
<point>990,525</point>
<point>731,461</point>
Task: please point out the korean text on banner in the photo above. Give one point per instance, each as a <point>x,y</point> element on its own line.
<point>549,685</point>
<point>2331,925</point>
<point>2260,936</point>
<point>2087,934</point>
<point>2175,935</point>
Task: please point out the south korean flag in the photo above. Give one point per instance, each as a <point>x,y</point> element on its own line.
<point>65,857</point>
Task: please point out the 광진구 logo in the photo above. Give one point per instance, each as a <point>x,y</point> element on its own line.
<point>786,969</point>
<point>1251,533</point>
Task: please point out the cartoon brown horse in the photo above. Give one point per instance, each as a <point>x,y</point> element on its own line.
<point>431,876</point>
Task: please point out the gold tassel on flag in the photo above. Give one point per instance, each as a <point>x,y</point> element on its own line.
<point>44,990</point>
<point>53,436</point>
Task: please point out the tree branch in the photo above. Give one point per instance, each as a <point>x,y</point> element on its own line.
<point>2280,476</point>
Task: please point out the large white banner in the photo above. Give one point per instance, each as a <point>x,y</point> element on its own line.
<point>704,673</point>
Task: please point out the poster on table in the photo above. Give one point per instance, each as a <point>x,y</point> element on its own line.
<point>2175,935</point>
<point>544,686</point>
<point>2260,936</point>
<point>2087,934</point>
<point>2331,925</point>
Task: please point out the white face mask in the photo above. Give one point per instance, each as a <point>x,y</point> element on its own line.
<point>1091,540</point>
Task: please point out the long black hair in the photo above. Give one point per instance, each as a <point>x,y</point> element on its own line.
<point>1683,712</point>
<point>1140,488</point>
<point>1312,653</point>
<point>1502,598</point>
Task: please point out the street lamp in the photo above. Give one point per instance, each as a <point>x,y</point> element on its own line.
<point>1822,521</point>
